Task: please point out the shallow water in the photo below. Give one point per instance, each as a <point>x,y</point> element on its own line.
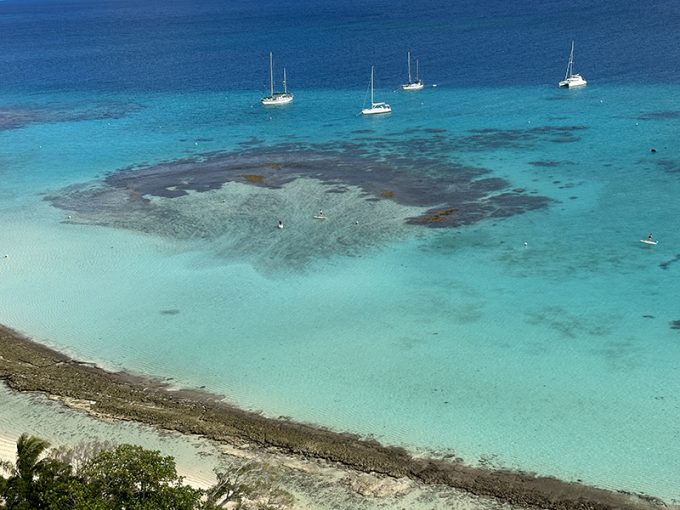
<point>542,338</point>
<point>36,415</point>
<point>556,356</point>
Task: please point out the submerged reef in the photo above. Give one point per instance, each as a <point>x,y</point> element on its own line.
<point>670,166</point>
<point>16,117</point>
<point>659,115</point>
<point>373,189</point>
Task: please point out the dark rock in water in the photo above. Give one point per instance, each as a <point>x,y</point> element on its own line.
<point>253,178</point>
<point>675,324</point>
<point>660,115</point>
<point>668,165</point>
<point>252,141</point>
<point>666,264</point>
<point>565,139</point>
<point>433,216</point>
<point>545,164</point>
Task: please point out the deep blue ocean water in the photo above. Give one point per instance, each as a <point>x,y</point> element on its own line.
<point>535,332</point>
<point>218,45</point>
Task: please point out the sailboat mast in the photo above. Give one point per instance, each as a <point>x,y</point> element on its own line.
<point>417,72</point>
<point>409,66</point>
<point>570,64</point>
<point>372,67</point>
<point>271,74</point>
<point>285,88</point>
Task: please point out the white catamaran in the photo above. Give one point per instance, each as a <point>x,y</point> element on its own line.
<point>276,98</point>
<point>376,108</point>
<point>413,85</point>
<point>571,79</point>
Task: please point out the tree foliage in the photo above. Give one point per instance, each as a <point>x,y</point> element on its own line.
<point>132,478</point>
<point>250,485</point>
<point>125,477</point>
<point>35,481</point>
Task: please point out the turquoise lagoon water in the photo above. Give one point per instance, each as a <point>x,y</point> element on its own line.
<point>542,341</point>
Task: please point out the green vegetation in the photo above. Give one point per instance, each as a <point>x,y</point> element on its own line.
<point>128,477</point>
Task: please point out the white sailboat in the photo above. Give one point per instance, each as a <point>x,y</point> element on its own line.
<point>570,79</point>
<point>276,98</point>
<point>376,108</point>
<point>413,85</point>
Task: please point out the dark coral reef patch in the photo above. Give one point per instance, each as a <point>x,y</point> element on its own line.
<point>15,117</point>
<point>416,172</point>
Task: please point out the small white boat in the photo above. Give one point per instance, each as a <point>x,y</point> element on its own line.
<point>276,98</point>
<point>376,108</point>
<point>413,85</point>
<point>649,241</point>
<point>572,80</point>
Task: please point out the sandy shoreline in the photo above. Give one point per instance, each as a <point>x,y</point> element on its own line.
<point>27,366</point>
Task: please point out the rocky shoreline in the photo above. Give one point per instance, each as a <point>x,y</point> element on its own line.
<point>27,366</point>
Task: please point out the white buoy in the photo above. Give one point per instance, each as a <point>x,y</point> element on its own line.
<point>280,225</point>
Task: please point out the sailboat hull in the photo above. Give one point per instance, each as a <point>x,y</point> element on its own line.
<point>376,111</point>
<point>417,85</point>
<point>277,99</point>
<point>376,108</point>
<point>412,85</point>
<point>573,81</point>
